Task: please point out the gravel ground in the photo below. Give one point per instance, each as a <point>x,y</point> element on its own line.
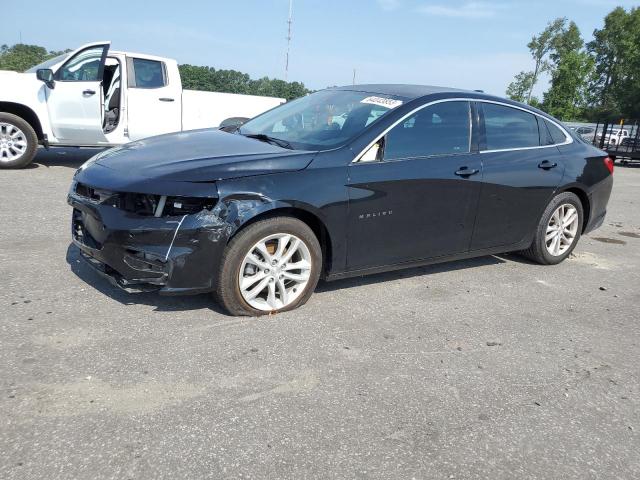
<point>486,368</point>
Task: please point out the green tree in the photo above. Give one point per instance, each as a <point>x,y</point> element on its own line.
<point>232,81</point>
<point>540,46</point>
<point>519,89</point>
<point>21,57</point>
<point>570,67</point>
<point>615,83</point>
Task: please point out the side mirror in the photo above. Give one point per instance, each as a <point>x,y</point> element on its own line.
<point>232,124</point>
<point>46,75</point>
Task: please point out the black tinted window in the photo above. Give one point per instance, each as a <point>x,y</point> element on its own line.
<point>508,127</point>
<point>148,73</point>
<point>440,129</point>
<point>556,133</point>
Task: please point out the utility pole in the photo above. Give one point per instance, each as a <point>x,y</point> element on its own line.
<point>286,65</point>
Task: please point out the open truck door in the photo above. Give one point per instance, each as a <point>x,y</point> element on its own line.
<point>75,97</point>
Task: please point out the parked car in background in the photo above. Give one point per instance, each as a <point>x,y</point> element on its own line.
<point>587,133</point>
<point>413,175</point>
<point>97,97</point>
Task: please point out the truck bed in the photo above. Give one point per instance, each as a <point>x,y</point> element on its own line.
<point>207,109</point>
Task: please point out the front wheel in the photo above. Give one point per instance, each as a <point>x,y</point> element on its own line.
<point>18,141</point>
<point>272,265</point>
<point>558,231</point>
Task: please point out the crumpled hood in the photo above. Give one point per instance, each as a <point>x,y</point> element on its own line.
<point>201,156</point>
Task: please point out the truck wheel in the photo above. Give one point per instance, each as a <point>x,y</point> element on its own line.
<point>18,142</point>
<point>270,266</point>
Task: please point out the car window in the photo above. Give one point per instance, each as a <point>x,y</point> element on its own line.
<point>557,134</point>
<point>545,134</point>
<point>148,73</point>
<point>440,129</point>
<point>507,127</point>
<point>83,67</point>
<point>323,120</point>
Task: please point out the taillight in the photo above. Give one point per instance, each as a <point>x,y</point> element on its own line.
<point>608,161</point>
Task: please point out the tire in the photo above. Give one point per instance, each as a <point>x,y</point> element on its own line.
<point>12,127</point>
<point>539,251</point>
<point>235,260</point>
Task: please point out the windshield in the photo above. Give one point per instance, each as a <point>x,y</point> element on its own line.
<point>49,63</point>
<point>322,120</point>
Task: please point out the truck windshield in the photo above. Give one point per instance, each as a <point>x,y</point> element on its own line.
<point>48,63</point>
<point>322,120</point>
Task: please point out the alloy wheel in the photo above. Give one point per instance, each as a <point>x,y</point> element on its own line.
<point>13,142</point>
<point>275,272</point>
<point>561,229</point>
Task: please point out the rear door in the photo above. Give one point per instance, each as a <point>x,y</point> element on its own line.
<point>417,198</point>
<point>154,99</point>
<point>522,169</point>
<point>75,103</point>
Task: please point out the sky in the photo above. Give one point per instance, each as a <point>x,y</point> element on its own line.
<point>455,43</point>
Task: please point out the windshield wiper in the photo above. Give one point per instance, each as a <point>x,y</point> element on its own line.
<point>266,138</point>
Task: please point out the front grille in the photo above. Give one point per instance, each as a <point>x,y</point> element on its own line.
<point>144,204</point>
<point>138,203</point>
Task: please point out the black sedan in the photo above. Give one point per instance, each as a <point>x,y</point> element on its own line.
<point>346,181</point>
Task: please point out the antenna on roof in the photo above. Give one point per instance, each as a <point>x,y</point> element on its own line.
<point>286,65</point>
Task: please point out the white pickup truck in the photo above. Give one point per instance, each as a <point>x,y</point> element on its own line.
<point>97,97</point>
<point>615,136</point>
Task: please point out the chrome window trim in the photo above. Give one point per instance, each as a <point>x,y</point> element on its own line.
<point>568,141</point>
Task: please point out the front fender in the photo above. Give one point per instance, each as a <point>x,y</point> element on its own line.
<point>23,91</point>
<point>239,208</point>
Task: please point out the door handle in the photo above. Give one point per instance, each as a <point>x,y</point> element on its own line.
<point>166,99</point>
<point>547,165</point>
<point>89,92</point>
<point>466,171</point>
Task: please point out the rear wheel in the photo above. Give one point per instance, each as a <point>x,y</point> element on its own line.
<point>272,265</point>
<point>558,231</point>
<point>18,142</point>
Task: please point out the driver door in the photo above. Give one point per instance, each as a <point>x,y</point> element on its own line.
<point>75,102</point>
<point>416,196</point>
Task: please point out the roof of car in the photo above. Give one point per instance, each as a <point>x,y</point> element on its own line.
<point>413,92</point>
<point>401,90</point>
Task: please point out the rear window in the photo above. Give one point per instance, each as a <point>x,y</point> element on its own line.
<point>148,74</point>
<point>557,135</point>
<point>507,127</point>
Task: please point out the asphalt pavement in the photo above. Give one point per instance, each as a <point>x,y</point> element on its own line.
<point>485,368</point>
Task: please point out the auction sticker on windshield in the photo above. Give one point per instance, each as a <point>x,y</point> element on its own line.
<point>382,102</point>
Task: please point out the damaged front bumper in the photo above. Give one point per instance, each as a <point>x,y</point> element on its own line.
<point>175,254</point>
